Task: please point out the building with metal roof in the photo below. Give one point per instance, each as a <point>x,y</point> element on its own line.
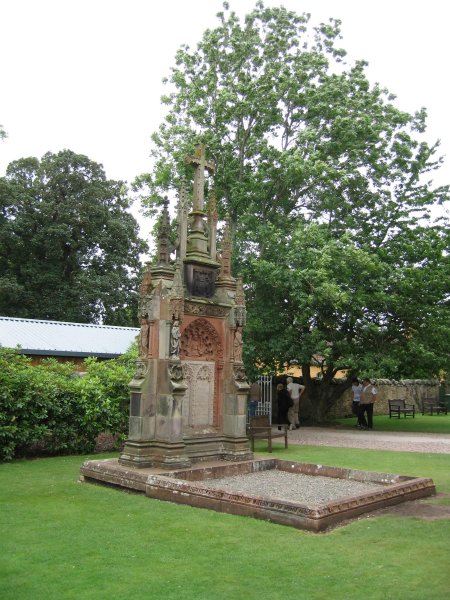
<point>70,341</point>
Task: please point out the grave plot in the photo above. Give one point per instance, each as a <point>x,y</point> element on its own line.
<point>305,496</point>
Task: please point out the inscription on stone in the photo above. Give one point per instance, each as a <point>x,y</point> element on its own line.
<point>199,398</point>
<point>135,404</point>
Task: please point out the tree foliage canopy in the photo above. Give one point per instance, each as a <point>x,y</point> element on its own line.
<point>328,186</point>
<point>69,250</point>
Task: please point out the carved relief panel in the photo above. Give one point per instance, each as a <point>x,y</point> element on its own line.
<point>198,403</point>
<point>200,341</point>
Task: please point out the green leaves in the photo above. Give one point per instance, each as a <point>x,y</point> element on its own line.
<point>326,181</point>
<point>70,249</point>
<point>49,409</point>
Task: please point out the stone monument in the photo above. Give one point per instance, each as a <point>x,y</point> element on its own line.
<point>189,393</point>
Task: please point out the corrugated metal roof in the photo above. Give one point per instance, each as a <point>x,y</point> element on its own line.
<point>65,339</point>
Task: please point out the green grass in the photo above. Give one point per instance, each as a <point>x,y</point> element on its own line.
<point>63,540</point>
<point>420,423</point>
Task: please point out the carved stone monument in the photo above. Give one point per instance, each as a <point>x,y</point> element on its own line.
<point>189,393</point>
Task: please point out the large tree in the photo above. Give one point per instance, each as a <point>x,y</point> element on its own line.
<point>69,250</point>
<point>327,185</point>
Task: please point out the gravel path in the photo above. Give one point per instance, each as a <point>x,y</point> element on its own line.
<point>371,440</point>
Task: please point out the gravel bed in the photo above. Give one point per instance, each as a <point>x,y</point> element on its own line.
<point>281,485</point>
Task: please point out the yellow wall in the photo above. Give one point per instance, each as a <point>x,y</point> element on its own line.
<point>296,371</point>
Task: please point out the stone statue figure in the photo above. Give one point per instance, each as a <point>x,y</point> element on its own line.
<point>237,345</point>
<point>175,339</point>
<point>144,338</point>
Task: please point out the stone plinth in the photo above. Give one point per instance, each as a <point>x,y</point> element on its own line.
<point>181,486</point>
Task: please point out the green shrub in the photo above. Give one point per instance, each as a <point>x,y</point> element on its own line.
<point>51,409</point>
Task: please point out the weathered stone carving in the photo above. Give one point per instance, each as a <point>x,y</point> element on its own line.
<point>239,310</point>
<point>201,164</point>
<point>239,298</point>
<point>210,310</point>
<point>198,407</point>
<point>146,285</point>
<point>141,369</point>
<point>203,282</point>
<point>237,345</point>
<point>182,211</point>
<point>225,253</point>
<point>239,373</point>
<point>145,302</point>
<point>212,224</point>
<point>176,371</point>
<point>239,316</point>
<point>175,336</point>
<point>177,295</point>
<point>144,338</point>
<point>163,238</point>
<point>187,315</point>
<point>145,308</point>
<point>201,341</point>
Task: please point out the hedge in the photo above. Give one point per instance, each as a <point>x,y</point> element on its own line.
<point>50,409</point>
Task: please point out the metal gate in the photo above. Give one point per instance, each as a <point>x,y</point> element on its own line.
<point>265,406</point>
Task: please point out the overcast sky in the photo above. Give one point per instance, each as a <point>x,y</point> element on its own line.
<point>86,74</point>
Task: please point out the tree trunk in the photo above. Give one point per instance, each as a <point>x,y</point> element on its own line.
<point>323,394</point>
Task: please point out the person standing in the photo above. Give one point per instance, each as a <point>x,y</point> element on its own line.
<point>295,391</point>
<point>356,391</point>
<point>284,403</point>
<point>368,397</point>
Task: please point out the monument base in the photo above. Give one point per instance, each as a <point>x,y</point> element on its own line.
<point>190,486</point>
<point>193,449</point>
<point>141,455</point>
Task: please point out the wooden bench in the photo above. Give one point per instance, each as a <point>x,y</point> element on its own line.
<point>400,407</point>
<point>433,406</point>
<point>260,428</point>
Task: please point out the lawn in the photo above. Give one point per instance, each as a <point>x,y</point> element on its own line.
<point>419,424</point>
<point>64,540</point>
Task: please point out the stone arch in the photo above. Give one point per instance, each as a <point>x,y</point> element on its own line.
<point>200,341</point>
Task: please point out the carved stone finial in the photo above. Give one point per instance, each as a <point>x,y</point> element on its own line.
<point>240,294</point>
<point>182,215</point>
<point>177,294</point>
<point>212,205</point>
<point>212,224</point>
<point>239,310</point>
<point>177,290</point>
<point>146,283</point>
<point>163,237</point>
<point>226,249</point>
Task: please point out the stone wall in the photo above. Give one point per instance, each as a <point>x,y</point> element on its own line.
<point>413,391</point>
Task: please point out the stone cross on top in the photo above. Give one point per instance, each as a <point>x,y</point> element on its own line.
<point>201,164</point>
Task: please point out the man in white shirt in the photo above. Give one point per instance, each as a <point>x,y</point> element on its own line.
<point>356,392</point>
<point>368,397</point>
<point>295,391</point>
